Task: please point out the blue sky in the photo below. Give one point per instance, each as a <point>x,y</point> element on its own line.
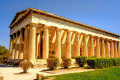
<point>104,14</point>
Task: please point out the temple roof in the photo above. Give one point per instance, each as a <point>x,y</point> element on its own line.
<point>21,13</point>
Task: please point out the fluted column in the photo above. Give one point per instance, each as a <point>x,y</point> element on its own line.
<point>107,49</point>
<point>13,47</point>
<point>10,47</point>
<point>38,46</point>
<point>85,52</point>
<point>102,48</point>
<point>68,44</point>
<point>115,49</point>
<point>16,47</point>
<point>77,51</point>
<point>26,38</point>
<point>97,54</point>
<point>118,49</point>
<point>20,46</point>
<point>32,42</point>
<point>46,42</point>
<point>58,43</point>
<point>111,49</point>
<point>91,46</point>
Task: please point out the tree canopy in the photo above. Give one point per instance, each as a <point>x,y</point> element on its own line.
<point>3,51</point>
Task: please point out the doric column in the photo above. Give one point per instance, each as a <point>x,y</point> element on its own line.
<point>68,44</point>
<point>16,46</point>
<point>85,52</point>
<point>102,48</point>
<point>38,46</point>
<point>10,47</point>
<point>58,43</point>
<point>16,51</point>
<point>46,42</point>
<point>107,49</point>
<point>115,49</point>
<point>118,49</point>
<point>13,47</point>
<point>20,46</point>
<point>32,42</point>
<point>77,51</point>
<point>91,46</point>
<point>97,54</point>
<point>26,38</point>
<point>111,49</point>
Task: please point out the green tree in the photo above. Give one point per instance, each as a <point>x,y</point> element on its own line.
<point>3,52</point>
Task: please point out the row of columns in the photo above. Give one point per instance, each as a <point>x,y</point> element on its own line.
<point>16,46</point>
<point>30,45</point>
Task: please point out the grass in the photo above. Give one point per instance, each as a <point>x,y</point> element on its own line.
<point>103,74</point>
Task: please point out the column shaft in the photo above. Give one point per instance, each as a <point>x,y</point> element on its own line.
<point>91,46</point>
<point>85,52</point>
<point>97,54</point>
<point>10,48</point>
<point>16,47</point>
<point>20,47</point>
<point>107,49</point>
<point>68,44</point>
<point>102,48</point>
<point>58,43</point>
<point>118,49</point>
<point>38,46</point>
<point>77,52</point>
<point>26,38</point>
<point>13,47</point>
<point>111,49</point>
<point>32,42</point>
<point>115,49</point>
<point>46,42</point>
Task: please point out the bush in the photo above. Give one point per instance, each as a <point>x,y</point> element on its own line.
<point>103,62</point>
<point>25,65</point>
<point>52,63</point>
<point>66,62</point>
<point>81,60</point>
<point>17,63</point>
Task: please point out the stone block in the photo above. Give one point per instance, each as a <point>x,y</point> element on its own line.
<point>39,76</point>
<point>1,77</point>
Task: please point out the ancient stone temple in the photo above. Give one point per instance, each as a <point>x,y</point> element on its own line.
<point>36,35</point>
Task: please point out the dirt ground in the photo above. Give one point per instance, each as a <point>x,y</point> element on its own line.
<point>15,73</point>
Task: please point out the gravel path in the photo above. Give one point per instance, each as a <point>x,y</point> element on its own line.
<point>15,73</point>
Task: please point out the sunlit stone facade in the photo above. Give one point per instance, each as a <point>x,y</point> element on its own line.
<point>36,35</point>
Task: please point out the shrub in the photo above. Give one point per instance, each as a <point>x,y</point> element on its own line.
<point>103,62</point>
<point>81,60</point>
<point>66,62</point>
<point>52,63</point>
<point>25,65</point>
<point>91,62</point>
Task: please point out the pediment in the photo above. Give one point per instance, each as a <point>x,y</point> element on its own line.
<point>18,16</point>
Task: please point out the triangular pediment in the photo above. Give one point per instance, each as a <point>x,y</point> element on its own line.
<point>18,16</point>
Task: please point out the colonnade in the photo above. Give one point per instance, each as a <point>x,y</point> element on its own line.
<point>23,44</point>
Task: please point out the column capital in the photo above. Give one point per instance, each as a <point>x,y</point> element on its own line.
<point>90,35</point>
<point>45,26</point>
<point>117,41</point>
<point>85,34</point>
<point>65,29</point>
<point>96,37</point>
<point>114,41</point>
<point>102,38</point>
<point>111,40</point>
<point>32,24</point>
<point>76,32</point>
<point>58,28</point>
